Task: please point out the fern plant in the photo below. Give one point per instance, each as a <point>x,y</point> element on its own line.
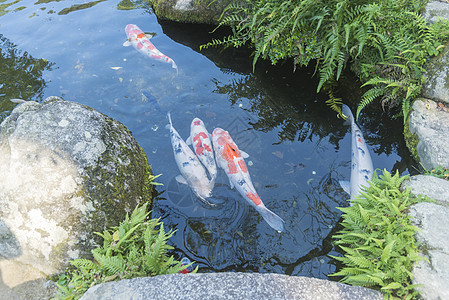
<point>377,238</point>
<point>136,248</point>
<point>386,41</point>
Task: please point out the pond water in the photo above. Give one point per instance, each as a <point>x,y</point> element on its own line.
<point>298,148</point>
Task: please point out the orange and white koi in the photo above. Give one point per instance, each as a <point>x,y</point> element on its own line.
<point>192,171</point>
<point>202,144</point>
<point>141,42</point>
<point>230,159</point>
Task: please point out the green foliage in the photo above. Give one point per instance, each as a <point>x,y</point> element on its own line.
<point>152,178</point>
<point>378,238</point>
<point>387,41</point>
<point>136,248</point>
<point>440,172</point>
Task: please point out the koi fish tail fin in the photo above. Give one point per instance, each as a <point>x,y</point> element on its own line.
<point>174,66</point>
<point>271,218</point>
<point>347,112</point>
<point>169,126</point>
<point>169,118</point>
<point>212,182</point>
<point>206,202</point>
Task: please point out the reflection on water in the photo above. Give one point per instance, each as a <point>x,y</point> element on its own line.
<point>21,75</point>
<point>43,5</point>
<point>298,148</point>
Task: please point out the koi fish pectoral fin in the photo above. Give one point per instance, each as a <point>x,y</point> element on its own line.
<point>271,218</point>
<point>181,179</point>
<point>346,185</point>
<point>127,43</point>
<point>244,154</point>
<point>189,140</point>
<point>231,184</point>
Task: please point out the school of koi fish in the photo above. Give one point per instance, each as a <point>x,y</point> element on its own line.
<point>199,167</point>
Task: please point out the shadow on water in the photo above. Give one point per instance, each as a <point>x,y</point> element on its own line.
<point>21,76</point>
<point>284,105</point>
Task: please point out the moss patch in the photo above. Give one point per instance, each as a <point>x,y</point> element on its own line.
<point>118,181</point>
<point>202,11</point>
<point>411,140</point>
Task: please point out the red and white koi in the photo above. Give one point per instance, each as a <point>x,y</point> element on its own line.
<point>202,144</point>
<point>361,163</point>
<point>192,171</point>
<point>230,159</point>
<point>141,42</point>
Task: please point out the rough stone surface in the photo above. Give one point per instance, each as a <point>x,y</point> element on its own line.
<point>431,125</point>
<point>430,186</point>
<point>437,70</point>
<point>66,171</point>
<point>191,11</point>
<point>436,85</point>
<point>435,10</point>
<point>433,221</point>
<point>230,286</point>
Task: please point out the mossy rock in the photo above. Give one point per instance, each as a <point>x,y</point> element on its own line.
<point>66,172</point>
<point>191,11</point>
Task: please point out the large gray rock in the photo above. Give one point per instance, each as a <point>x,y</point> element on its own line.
<point>436,85</point>
<point>190,11</point>
<point>66,171</point>
<point>437,82</point>
<point>433,221</point>
<point>436,9</point>
<point>231,286</point>
<point>430,123</point>
<point>433,187</point>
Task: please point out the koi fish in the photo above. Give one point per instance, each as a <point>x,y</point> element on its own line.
<point>141,42</point>
<point>200,138</point>
<point>361,163</point>
<point>230,159</point>
<point>192,171</point>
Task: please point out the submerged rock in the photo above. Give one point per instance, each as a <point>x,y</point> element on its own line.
<point>231,286</point>
<point>190,11</point>
<point>432,219</point>
<point>66,171</point>
<point>428,138</point>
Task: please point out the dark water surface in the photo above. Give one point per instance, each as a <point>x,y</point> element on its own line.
<point>298,148</point>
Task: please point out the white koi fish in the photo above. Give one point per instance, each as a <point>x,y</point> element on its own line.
<point>361,163</point>
<point>200,138</point>
<point>141,42</point>
<point>192,171</point>
<point>230,159</point>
